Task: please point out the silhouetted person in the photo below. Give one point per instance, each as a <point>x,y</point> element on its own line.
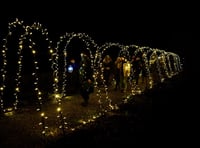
<point>86,78</point>
<point>73,76</point>
<point>136,68</point>
<point>117,67</point>
<point>86,90</point>
<point>107,65</point>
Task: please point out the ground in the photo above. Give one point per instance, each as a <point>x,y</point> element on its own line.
<point>130,124</point>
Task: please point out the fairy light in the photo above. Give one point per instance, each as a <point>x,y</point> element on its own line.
<point>42,123</point>
<point>67,39</point>
<point>163,65</point>
<point>90,44</point>
<point>102,49</point>
<point>158,65</point>
<point>172,57</point>
<point>131,49</point>
<point>96,74</point>
<point>134,86</point>
<point>152,59</point>
<point>32,45</point>
<point>55,66</point>
<point>180,68</point>
<point>167,64</point>
<point>125,53</point>
<point>61,120</point>
<point>146,69</point>
<point>177,64</point>
<point>3,70</point>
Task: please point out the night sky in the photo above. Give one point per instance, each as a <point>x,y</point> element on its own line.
<point>168,27</point>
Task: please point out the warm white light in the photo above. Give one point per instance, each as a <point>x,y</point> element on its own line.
<point>33,51</point>
<point>17,89</point>
<point>172,67</point>
<point>42,114</point>
<point>58,109</point>
<point>56,80</point>
<point>57,95</point>
<point>51,50</point>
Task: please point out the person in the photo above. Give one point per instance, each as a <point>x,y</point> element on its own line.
<point>144,71</point>
<point>136,68</point>
<point>86,79</point>
<point>122,73</point>
<point>126,74</point>
<point>117,68</point>
<point>73,78</point>
<point>85,91</point>
<point>107,65</point>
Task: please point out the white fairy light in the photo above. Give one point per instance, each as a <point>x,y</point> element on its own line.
<point>168,64</point>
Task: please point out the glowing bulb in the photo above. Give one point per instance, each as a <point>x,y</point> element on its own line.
<point>51,50</point>
<point>20,46</point>
<point>57,96</point>
<point>58,109</point>
<point>17,89</point>
<point>56,80</point>
<point>33,51</point>
<point>42,114</point>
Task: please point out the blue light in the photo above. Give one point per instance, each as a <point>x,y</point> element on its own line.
<point>70,68</point>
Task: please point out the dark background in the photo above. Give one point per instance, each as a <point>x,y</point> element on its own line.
<point>174,31</point>
<point>169,27</point>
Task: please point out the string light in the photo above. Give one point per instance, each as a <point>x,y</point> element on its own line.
<point>3,70</point>
<point>168,64</point>
<point>32,45</point>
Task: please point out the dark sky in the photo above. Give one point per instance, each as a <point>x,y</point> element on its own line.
<point>168,28</point>
<point>174,29</point>
<point>125,29</point>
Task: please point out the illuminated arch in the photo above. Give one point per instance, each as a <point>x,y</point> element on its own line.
<point>102,51</point>
<point>172,65</point>
<point>67,38</point>
<point>4,66</point>
<point>32,45</point>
